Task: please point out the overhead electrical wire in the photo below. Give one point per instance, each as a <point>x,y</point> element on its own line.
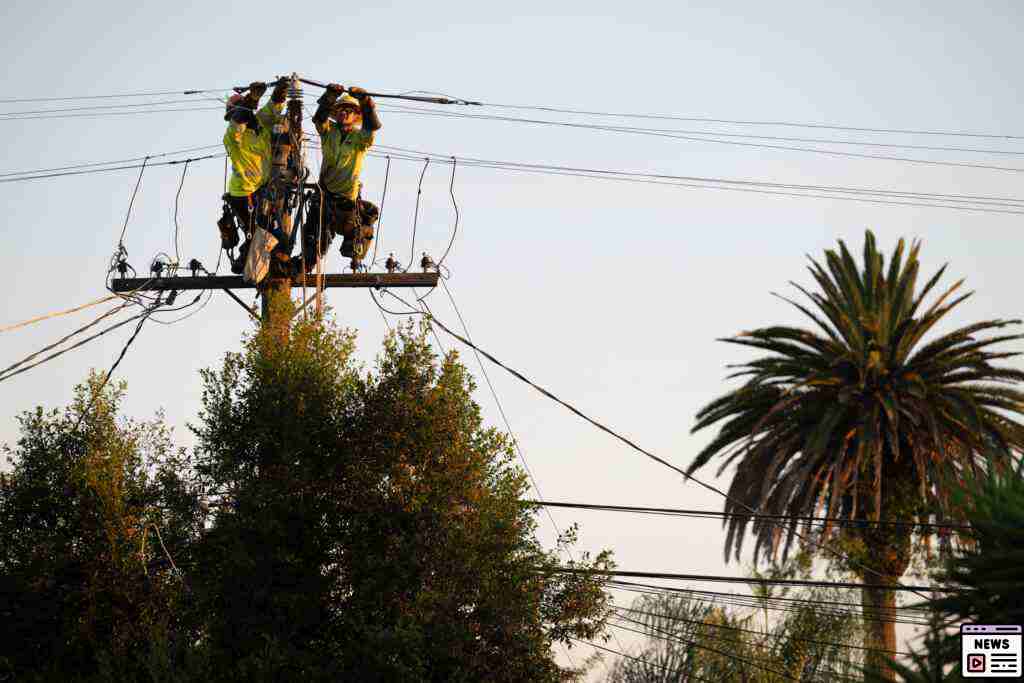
<point>726,627</point>
<point>102,332</point>
<point>652,632</point>
<point>906,613</point>
<point>642,451</point>
<point>713,650</point>
<point>49,347</point>
<point>7,174</point>
<point>677,512</point>
<point>961,202</point>
<point>113,168</point>
<point>95,107</point>
<point>898,615</point>
<point>92,115</point>
<point>56,314</point>
<point>68,98</point>
<point>741,122</point>
<point>716,578</point>
<point>417,111</point>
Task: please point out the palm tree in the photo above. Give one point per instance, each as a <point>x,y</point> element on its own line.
<point>858,419</point>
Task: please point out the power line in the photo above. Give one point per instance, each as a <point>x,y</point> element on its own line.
<point>107,97</point>
<point>640,659</point>
<point>725,627</point>
<point>692,138</point>
<point>113,168</point>
<point>703,119</point>
<point>716,578</point>
<point>92,115</point>
<point>677,512</point>
<point>653,632</point>
<point>92,164</point>
<point>700,646</point>
<point>107,314</point>
<point>95,107</point>
<point>497,401</point>
<point>56,314</point>
<point>750,136</point>
<point>773,602</point>
<point>634,446</point>
<point>961,202</point>
<point>70,348</point>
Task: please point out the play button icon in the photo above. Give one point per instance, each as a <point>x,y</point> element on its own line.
<point>976,664</point>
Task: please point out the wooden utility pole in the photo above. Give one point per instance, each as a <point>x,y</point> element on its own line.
<point>285,187</point>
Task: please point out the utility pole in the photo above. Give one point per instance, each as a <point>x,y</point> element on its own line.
<point>285,188</point>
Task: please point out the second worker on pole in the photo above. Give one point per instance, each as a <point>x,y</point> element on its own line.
<point>346,123</point>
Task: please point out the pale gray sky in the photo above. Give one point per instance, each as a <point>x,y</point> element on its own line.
<point>609,294</point>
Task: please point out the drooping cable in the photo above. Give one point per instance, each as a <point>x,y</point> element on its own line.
<point>177,200</point>
<point>644,452</point>
<point>380,216</point>
<point>704,514</point>
<point>416,215</point>
<point>455,205</point>
<point>56,314</point>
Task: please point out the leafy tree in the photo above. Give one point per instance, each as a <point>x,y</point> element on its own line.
<point>368,526</point>
<point>859,418</point>
<point>689,639</point>
<point>986,573</point>
<point>91,516</point>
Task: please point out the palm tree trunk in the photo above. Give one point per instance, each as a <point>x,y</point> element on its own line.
<point>879,609</point>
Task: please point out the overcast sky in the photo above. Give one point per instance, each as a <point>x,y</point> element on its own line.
<point>610,294</point>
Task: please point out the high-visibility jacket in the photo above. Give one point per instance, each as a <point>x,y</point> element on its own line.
<point>250,152</point>
<point>343,154</point>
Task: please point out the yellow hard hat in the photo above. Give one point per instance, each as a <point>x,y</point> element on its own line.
<point>347,100</point>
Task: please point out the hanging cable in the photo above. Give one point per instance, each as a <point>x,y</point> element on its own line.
<point>675,117</point>
<point>725,627</point>
<point>177,199</point>
<point>124,350</point>
<point>646,453</point>
<point>107,314</point>
<point>380,216</point>
<point>70,348</point>
<point>47,316</point>
<point>455,228</point>
<point>416,215</point>
<point>43,176</point>
<point>704,514</point>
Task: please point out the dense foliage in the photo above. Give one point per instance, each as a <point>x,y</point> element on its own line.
<point>333,523</point>
<point>90,516</point>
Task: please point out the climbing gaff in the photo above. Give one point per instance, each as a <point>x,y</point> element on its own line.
<point>414,98</point>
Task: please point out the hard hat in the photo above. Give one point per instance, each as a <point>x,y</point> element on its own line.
<point>347,100</point>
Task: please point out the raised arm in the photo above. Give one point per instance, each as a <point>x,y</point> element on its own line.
<point>242,110</point>
<point>371,122</point>
<point>326,102</point>
<point>271,111</point>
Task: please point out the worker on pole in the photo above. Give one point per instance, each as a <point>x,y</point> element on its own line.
<point>248,144</point>
<point>346,123</point>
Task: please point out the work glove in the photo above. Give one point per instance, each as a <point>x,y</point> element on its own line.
<point>257,88</point>
<point>356,92</point>
<point>331,94</point>
<point>280,90</point>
